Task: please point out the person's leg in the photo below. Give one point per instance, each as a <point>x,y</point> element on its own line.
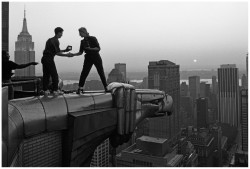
<point>100,70</point>
<point>85,71</point>
<point>54,76</point>
<point>46,74</point>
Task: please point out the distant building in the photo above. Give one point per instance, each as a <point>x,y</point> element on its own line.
<point>165,75</point>
<point>203,89</point>
<point>228,81</point>
<point>202,112</point>
<point>93,85</point>
<point>186,107</point>
<point>149,152</point>
<point>214,85</point>
<point>118,74</point>
<point>122,68</point>
<point>144,84</point>
<point>184,89</point>
<point>194,86</point>
<point>244,118</point>
<point>244,81</point>
<point>218,142</point>
<point>5,26</point>
<point>24,51</point>
<point>101,155</point>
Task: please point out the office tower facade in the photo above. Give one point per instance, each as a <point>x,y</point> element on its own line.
<point>202,112</point>
<point>228,82</point>
<point>5,26</point>
<point>101,155</point>
<point>244,118</point>
<point>165,75</point>
<point>214,85</point>
<point>184,89</point>
<point>244,82</point>
<point>122,68</point>
<point>203,89</point>
<point>186,107</point>
<point>194,86</point>
<point>24,51</point>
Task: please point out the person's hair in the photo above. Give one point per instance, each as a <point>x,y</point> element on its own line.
<point>83,29</point>
<point>58,30</point>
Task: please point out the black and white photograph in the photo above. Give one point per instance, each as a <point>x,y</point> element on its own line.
<point>124,83</point>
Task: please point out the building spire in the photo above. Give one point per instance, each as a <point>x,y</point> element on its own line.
<point>25,29</point>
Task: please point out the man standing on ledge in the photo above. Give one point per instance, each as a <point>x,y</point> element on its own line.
<point>49,67</point>
<point>91,47</point>
<point>7,67</point>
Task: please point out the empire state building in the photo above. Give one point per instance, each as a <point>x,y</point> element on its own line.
<point>24,51</point>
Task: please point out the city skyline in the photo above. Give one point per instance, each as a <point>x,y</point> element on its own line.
<point>187,37</point>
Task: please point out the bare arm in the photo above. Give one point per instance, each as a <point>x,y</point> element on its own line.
<point>21,66</point>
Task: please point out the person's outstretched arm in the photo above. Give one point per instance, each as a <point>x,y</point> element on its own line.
<point>21,66</point>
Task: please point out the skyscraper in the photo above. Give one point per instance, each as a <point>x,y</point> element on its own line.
<point>184,89</point>
<point>202,112</point>
<point>122,68</point>
<point>244,119</point>
<point>203,89</point>
<point>118,74</point>
<point>24,51</point>
<point>186,105</point>
<point>194,86</point>
<point>5,26</point>
<point>214,85</point>
<point>165,75</point>
<point>244,81</point>
<point>228,82</point>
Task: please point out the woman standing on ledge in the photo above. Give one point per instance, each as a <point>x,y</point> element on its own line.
<point>91,47</point>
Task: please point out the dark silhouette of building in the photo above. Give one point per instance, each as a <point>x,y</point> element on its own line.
<point>184,89</point>
<point>186,107</point>
<point>244,119</point>
<point>194,87</point>
<point>5,26</point>
<point>24,51</point>
<point>202,112</point>
<point>228,81</point>
<point>165,75</point>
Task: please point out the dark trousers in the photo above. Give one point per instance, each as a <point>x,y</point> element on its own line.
<point>49,70</point>
<point>88,63</point>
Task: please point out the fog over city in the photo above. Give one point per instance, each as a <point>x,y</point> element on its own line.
<point>194,35</point>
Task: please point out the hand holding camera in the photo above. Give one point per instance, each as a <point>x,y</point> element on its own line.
<point>69,48</point>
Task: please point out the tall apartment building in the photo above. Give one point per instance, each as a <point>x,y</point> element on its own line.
<point>194,86</point>
<point>101,155</point>
<point>165,75</point>
<point>5,26</point>
<point>228,81</point>
<point>24,51</point>
<point>202,112</point>
<point>184,89</point>
<point>244,118</point>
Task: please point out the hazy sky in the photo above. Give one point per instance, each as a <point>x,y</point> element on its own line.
<point>213,33</point>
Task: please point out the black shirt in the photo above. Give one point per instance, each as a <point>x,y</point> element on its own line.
<point>7,67</point>
<point>91,42</point>
<point>51,47</point>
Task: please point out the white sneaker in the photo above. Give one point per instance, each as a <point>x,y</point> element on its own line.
<point>58,92</point>
<point>46,93</point>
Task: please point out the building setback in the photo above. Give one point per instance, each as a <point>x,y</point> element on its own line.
<point>165,75</point>
<point>24,51</point>
<point>228,82</point>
